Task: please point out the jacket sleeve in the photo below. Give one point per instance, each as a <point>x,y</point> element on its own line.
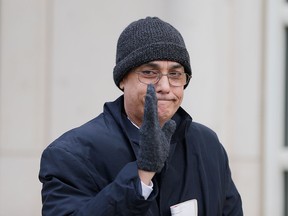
<point>233,203</point>
<point>220,195</point>
<point>69,188</point>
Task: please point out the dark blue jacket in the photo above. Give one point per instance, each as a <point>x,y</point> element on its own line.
<point>91,170</point>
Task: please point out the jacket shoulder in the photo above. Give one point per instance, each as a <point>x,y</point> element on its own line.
<point>90,135</point>
<point>205,141</point>
<point>203,131</point>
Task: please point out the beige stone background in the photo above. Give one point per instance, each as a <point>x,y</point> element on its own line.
<point>56,62</point>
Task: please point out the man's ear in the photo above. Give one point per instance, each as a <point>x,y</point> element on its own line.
<point>121,85</point>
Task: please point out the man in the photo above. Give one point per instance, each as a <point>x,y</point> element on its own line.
<point>143,155</point>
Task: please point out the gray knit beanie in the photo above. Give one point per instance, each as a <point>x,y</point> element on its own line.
<point>148,40</point>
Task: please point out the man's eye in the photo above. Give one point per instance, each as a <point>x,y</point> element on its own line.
<point>175,74</point>
<point>149,73</point>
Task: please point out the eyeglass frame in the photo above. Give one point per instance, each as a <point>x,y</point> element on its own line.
<point>160,75</point>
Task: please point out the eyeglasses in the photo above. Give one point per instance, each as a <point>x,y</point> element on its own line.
<point>176,79</point>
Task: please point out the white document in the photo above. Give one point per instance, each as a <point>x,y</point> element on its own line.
<point>187,208</point>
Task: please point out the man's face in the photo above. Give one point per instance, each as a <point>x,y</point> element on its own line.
<point>169,97</point>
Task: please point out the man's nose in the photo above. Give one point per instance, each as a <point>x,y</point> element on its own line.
<point>163,83</point>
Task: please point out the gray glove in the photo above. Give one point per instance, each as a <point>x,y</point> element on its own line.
<point>154,141</point>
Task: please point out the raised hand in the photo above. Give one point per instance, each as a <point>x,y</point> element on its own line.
<point>154,140</point>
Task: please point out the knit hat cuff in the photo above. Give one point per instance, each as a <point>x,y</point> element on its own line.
<point>152,52</point>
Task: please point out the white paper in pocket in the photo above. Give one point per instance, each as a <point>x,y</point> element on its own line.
<point>187,208</point>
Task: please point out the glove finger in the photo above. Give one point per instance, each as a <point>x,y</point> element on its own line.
<point>169,128</point>
<point>150,108</point>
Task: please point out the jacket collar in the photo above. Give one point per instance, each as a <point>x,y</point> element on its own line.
<point>117,111</point>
